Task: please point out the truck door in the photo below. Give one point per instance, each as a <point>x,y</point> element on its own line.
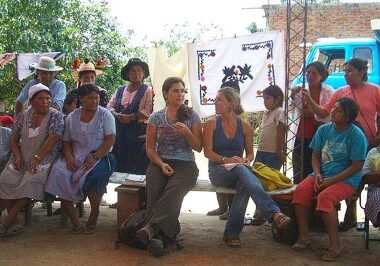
<point>333,59</point>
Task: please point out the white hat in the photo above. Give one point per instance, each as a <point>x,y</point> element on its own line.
<point>46,63</point>
<point>87,66</point>
<point>37,88</point>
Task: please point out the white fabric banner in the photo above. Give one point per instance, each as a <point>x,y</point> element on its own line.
<point>23,61</point>
<point>161,66</point>
<point>251,62</point>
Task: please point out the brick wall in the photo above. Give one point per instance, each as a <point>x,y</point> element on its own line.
<point>343,20</point>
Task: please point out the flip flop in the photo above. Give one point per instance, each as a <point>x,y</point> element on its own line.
<point>330,256</point>
<point>300,246</point>
<point>281,220</point>
<point>216,212</point>
<point>12,230</point>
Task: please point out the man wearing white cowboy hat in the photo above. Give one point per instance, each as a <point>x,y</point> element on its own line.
<point>45,70</point>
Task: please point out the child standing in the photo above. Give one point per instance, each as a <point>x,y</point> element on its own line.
<point>271,146</point>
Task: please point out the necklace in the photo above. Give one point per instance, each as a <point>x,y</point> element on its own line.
<point>166,118</point>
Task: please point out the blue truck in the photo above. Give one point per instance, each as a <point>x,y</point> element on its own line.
<point>334,52</point>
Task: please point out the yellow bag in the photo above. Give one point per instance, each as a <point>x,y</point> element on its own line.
<point>270,178</point>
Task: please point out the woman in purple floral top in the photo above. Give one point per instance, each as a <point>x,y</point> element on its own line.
<point>33,144</point>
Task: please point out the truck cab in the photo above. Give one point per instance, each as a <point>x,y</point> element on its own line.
<point>334,52</point>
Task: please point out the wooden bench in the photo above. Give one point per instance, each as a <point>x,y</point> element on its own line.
<point>131,194</point>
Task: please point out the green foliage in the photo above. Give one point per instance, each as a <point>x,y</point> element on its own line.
<point>73,26</point>
<point>252,28</point>
<point>316,1</point>
<point>179,35</point>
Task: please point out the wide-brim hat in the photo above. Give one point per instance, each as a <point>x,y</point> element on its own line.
<point>37,88</point>
<point>134,62</point>
<point>87,67</point>
<point>46,63</point>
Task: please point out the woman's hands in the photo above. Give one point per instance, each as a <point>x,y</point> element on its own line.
<point>70,163</point>
<point>34,162</point>
<point>89,162</point>
<point>125,119</point>
<point>167,169</point>
<point>18,163</point>
<point>322,183</point>
<point>182,129</point>
<point>235,159</point>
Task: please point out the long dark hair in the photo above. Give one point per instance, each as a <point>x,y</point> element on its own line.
<point>184,112</point>
<point>86,89</point>
<point>320,68</point>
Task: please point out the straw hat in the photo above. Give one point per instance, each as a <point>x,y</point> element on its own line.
<point>88,66</point>
<point>46,63</point>
<point>134,62</point>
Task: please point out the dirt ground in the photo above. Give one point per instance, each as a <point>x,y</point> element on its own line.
<point>45,243</point>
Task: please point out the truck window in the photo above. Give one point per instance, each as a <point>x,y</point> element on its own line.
<point>333,59</point>
<point>364,53</point>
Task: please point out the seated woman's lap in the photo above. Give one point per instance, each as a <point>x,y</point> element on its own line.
<point>221,177</point>
<point>327,199</point>
<point>97,179</point>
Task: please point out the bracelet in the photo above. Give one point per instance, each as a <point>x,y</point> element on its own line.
<point>37,157</point>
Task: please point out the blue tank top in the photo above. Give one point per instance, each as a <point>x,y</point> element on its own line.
<point>225,146</point>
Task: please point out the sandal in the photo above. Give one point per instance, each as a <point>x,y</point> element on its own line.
<point>281,220</point>
<point>330,256</point>
<point>343,227</point>
<point>78,229</point>
<point>301,245</point>
<point>12,230</point>
<point>232,241</point>
<point>90,229</point>
<point>216,212</point>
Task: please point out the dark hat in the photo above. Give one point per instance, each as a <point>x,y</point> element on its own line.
<point>133,62</point>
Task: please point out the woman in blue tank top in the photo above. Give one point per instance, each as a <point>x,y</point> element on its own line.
<point>225,138</point>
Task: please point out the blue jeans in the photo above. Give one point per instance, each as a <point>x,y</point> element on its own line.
<point>247,185</point>
<point>269,159</point>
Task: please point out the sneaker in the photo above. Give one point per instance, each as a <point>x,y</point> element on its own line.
<point>146,233</point>
<point>156,247</point>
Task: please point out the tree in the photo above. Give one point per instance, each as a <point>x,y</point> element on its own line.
<point>252,28</point>
<point>76,27</point>
<point>316,1</point>
<point>181,34</point>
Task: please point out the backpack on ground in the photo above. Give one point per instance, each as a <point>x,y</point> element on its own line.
<point>128,230</point>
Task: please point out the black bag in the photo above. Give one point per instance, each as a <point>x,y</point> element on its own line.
<point>289,234</point>
<point>128,230</point>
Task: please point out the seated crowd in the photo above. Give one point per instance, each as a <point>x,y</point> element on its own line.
<point>68,148</point>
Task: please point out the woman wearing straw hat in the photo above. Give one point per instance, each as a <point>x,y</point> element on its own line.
<point>34,146</point>
<point>86,74</point>
<point>45,70</point>
<point>132,105</point>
